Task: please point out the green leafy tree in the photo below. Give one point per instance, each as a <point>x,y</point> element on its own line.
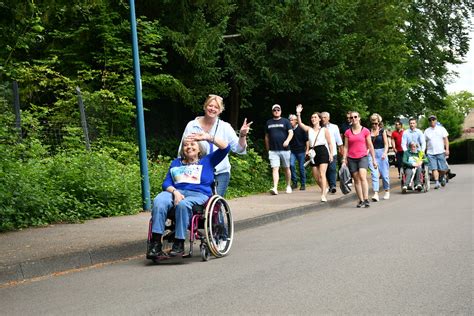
<point>437,35</point>
<point>452,115</point>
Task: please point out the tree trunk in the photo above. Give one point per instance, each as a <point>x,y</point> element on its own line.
<point>235,101</point>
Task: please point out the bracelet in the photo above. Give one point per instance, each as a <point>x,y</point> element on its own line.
<point>172,192</point>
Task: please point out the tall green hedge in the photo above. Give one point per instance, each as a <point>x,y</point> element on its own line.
<point>461,151</point>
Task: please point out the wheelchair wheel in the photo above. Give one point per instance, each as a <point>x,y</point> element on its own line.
<point>218,226</point>
<point>205,254</point>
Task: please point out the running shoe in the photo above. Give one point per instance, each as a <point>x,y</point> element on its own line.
<point>375,198</point>
<point>366,203</point>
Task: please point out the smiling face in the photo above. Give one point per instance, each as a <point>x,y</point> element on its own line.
<point>355,118</point>
<point>212,109</point>
<point>190,150</point>
<point>315,119</point>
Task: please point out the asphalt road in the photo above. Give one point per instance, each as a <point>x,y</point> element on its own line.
<point>412,254</point>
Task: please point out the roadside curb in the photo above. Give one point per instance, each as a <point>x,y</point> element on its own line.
<point>85,258</point>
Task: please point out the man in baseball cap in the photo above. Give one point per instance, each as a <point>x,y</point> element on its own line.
<point>437,150</point>
<point>278,133</point>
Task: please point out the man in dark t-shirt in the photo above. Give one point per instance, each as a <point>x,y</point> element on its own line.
<point>299,145</point>
<point>278,134</point>
<point>346,125</point>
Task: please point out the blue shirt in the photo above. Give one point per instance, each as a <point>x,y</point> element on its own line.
<point>194,177</point>
<point>416,136</point>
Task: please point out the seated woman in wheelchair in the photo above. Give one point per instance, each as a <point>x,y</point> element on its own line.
<point>413,160</point>
<point>187,183</point>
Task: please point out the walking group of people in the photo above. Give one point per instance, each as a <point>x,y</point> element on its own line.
<point>203,160</point>
<point>290,141</point>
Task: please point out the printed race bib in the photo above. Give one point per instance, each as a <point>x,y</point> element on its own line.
<point>187,174</point>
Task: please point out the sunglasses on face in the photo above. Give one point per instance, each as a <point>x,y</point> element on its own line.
<point>353,117</point>
<point>375,123</point>
<point>432,119</point>
<point>276,110</point>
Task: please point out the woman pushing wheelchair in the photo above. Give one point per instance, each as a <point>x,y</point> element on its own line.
<point>188,182</point>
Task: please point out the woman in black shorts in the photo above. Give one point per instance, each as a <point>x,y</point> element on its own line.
<point>320,142</point>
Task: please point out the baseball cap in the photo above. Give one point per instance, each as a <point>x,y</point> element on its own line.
<point>432,117</point>
<point>276,106</point>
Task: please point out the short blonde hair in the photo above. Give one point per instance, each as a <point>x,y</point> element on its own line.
<point>377,117</point>
<point>219,100</point>
<point>202,149</point>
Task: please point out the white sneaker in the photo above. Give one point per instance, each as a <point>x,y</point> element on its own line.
<point>386,196</point>
<point>323,198</point>
<point>375,198</point>
<point>288,189</point>
<point>274,191</point>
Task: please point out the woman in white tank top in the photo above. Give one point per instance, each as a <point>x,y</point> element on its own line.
<point>320,142</point>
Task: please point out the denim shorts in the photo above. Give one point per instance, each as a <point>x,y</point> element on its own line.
<point>279,156</point>
<point>354,164</point>
<point>438,162</point>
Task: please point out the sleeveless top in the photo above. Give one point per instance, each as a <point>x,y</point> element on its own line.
<point>321,137</point>
<point>378,140</point>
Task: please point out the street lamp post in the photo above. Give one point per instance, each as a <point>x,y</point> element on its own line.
<point>140,116</point>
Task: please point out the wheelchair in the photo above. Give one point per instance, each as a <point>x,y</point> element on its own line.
<point>211,224</point>
<point>424,179</point>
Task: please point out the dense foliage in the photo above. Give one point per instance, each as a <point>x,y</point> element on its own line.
<point>452,115</point>
<point>389,57</point>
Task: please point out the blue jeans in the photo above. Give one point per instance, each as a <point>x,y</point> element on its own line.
<point>381,170</point>
<point>331,173</point>
<point>222,180</point>
<point>300,158</point>
<point>183,211</point>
